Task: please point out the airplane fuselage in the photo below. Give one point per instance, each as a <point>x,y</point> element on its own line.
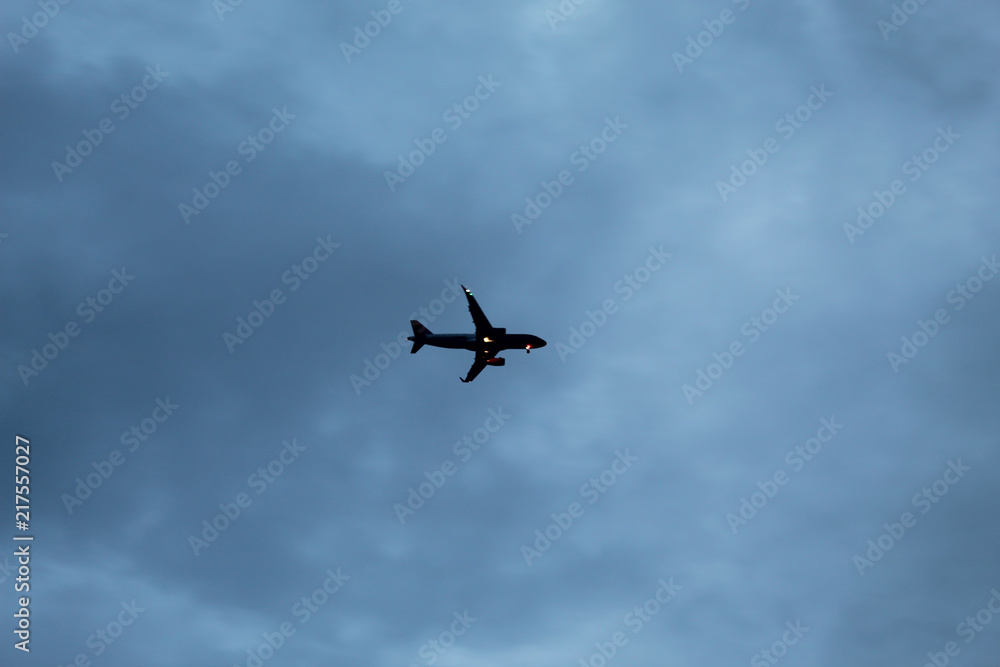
<point>496,343</point>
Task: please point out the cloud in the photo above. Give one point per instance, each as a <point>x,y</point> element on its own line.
<point>320,183</point>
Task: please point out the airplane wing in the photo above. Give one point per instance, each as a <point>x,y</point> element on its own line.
<point>478,318</point>
<point>477,366</point>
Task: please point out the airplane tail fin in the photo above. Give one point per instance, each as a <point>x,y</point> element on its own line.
<point>419,331</point>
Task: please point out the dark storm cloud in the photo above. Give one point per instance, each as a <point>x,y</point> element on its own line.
<point>292,475</point>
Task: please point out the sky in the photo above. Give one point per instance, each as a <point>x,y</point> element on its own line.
<point>759,238</point>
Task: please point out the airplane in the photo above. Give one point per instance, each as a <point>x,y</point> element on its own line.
<point>487,342</point>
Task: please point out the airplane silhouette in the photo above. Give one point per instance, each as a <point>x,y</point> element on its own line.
<point>486,342</point>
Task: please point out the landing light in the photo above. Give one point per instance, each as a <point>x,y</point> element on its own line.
<point>487,340</point>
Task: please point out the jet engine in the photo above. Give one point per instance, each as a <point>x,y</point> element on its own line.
<point>496,361</point>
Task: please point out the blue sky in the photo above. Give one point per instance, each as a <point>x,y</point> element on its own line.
<point>760,241</point>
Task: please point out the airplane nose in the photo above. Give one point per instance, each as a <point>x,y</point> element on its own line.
<point>539,342</point>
